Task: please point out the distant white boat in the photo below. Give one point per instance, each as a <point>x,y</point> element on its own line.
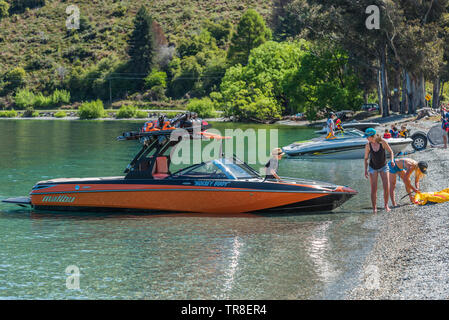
<point>354,124</point>
<point>347,145</point>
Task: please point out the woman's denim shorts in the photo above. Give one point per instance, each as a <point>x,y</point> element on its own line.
<point>383,169</point>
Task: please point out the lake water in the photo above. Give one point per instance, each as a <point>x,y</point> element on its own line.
<point>173,256</point>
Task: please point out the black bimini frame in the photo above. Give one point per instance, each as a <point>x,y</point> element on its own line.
<point>141,167</point>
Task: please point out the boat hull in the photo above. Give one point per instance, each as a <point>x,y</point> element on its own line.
<point>188,196</point>
<point>345,153</point>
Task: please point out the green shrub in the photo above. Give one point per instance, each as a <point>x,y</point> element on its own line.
<point>59,98</point>
<point>119,11</point>
<point>41,101</point>
<point>15,78</point>
<point>171,115</point>
<point>4,9</point>
<point>141,114</point>
<point>24,99</point>
<point>8,114</point>
<point>126,112</point>
<point>156,78</point>
<point>91,110</point>
<point>60,114</point>
<point>156,93</point>
<point>203,107</point>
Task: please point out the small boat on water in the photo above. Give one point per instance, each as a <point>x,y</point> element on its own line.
<point>354,124</point>
<point>223,185</point>
<point>349,144</point>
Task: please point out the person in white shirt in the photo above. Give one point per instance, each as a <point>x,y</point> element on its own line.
<point>330,126</point>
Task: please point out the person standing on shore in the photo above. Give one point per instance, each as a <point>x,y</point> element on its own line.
<point>404,168</point>
<point>375,164</point>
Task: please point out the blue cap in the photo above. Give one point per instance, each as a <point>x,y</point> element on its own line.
<point>369,132</point>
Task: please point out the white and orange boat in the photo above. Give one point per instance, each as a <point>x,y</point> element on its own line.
<point>224,185</point>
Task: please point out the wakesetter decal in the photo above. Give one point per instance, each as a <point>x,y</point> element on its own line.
<point>211,183</point>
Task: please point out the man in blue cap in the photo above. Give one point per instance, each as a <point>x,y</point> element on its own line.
<point>376,155</point>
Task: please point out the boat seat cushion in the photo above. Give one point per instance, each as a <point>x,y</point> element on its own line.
<point>160,175</point>
<point>161,168</point>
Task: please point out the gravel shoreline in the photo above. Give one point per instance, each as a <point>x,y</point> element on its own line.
<point>410,257</point>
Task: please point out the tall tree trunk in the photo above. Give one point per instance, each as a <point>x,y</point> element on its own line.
<point>384,80</point>
<point>436,93</point>
<point>409,89</point>
<point>395,101</point>
<point>379,89</point>
<point>404,102</point>
<point>416,86</point>
<point>421,92</point>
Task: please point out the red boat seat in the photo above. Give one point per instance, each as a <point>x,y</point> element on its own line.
<point>161,168</point>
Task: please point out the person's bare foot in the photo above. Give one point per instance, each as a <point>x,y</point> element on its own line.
<point>374,210</point>
<point>387,208</point>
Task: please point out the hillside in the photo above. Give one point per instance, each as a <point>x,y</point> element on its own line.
<point>38,41</point>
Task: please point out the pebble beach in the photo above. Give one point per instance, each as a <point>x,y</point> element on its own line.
<point>410,257</point>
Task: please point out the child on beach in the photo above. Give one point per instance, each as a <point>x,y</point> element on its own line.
<point>394,131</point>
<point>404,132</point>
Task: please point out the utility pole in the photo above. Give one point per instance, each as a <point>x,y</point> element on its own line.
<point>110,92</point>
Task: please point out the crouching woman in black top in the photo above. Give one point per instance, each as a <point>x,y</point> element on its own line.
<point>375,153</point>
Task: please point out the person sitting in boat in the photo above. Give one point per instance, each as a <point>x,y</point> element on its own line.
<point>164,124</point>
<point>330,126</point>
<point>272,165</point>
<point>394,131</point>
<point>405,168</point>
<point>404,132</point>
<point>387,134</point>
<point>338,125</point>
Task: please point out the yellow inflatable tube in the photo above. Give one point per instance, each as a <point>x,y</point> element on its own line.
<point>435,197</point>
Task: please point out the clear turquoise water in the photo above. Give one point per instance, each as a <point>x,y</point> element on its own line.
<point>167,256</point>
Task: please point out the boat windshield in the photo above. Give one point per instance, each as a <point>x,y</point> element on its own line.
<point>219,169</point>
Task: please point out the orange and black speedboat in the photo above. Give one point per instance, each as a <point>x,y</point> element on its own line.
<point>224,185</point>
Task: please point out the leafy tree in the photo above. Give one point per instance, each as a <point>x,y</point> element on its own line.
<point>220,31</point>
<point>267,67</point>
<point>4,7</point>
<point>156,78</point>
<point>203,107</point>
<point>14,79</point>
<point>199,67</point>
<point>251,32</point>
<point>323,81</point>
<point>243,100</point>
<point>142,43</point>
